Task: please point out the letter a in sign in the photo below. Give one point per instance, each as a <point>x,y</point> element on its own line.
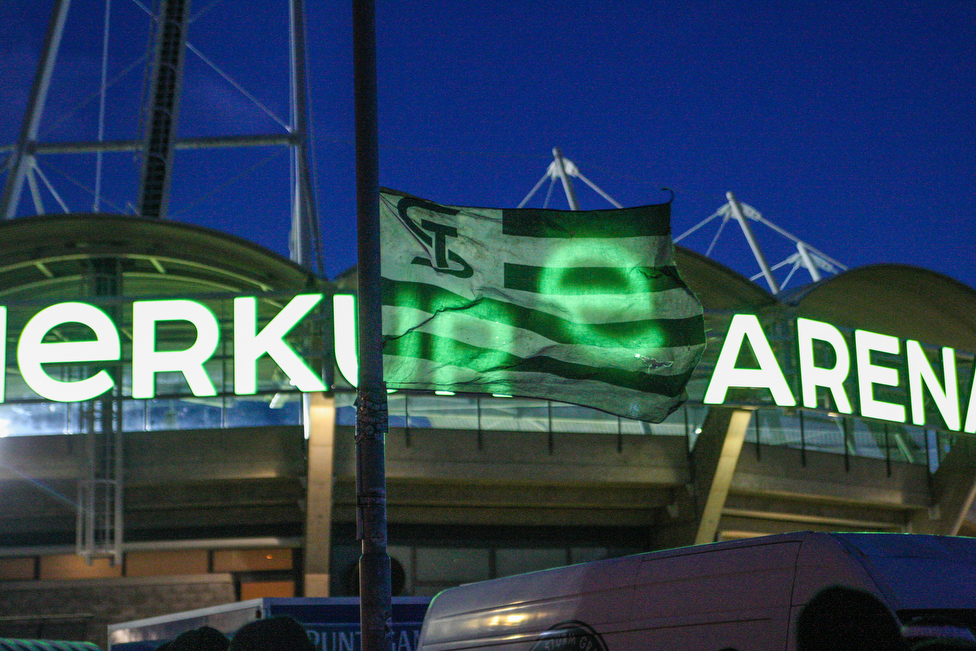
<point>768,376</point>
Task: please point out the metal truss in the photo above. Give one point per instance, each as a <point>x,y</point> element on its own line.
<point>814,261</point>
<point>99,508</point>
<point>159,135</point>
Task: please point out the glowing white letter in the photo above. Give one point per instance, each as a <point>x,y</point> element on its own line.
<point>32,351</point>
<point>344,325</point>
<point>3,351</point>
<point>970,426</point>
<point>812,376</point>
<point>147,361</point>
<point>249,344</point>
<point>919,372</point>
<point>768,375</point>
<point>869,374</point>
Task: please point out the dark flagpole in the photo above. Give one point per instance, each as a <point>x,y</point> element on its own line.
<point>372,423</point>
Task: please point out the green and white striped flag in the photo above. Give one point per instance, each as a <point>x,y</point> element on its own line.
<point>579,307</point>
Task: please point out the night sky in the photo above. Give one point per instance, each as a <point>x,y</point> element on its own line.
<point>851,124</point>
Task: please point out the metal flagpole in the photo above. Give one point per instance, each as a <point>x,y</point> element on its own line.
<point>372,423</point>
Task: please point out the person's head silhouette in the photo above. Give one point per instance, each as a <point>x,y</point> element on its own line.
<point>272,634</point>
<point>204,638</point>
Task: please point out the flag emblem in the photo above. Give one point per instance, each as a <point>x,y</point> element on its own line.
<point>579,307</point>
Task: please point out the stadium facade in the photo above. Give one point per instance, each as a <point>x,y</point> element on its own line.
<point>178,430</point>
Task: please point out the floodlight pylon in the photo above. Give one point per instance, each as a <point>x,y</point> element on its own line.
<point>99,506</point>
<point>160,132</point>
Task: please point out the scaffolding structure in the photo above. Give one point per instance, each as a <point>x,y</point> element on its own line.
<point>160,129</point>
<point>99,506</point>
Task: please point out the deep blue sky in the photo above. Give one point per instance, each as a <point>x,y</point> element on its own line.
<point>850,124</point>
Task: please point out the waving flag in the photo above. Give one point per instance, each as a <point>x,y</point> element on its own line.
<point>579,307</point>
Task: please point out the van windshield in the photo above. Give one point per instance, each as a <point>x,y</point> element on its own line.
<point>917,572</point>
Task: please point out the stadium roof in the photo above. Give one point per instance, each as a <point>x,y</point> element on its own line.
<point>900,300</point>
<point>51,256</point>
<point>894,299</point>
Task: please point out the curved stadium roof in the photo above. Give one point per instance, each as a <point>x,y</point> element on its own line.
<point>900,300</point>
<point>718,287</point>
<point>54,256</point>
<point>894,299</point>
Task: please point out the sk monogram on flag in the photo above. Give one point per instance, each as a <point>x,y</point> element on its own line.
<point>579,307</point>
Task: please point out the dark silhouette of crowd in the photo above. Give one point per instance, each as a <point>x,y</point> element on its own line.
<point>272,634</point>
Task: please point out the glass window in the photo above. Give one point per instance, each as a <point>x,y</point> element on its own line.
<point>33,418</point>
<point>451,566</point>
<point>573,418</point>
<point>173,414</point>
<point>251,560</point>
<point>267,409</point>
<point>823,433</point>
<point>519,561</point>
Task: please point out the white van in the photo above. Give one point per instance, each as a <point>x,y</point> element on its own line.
<point>742,594</point>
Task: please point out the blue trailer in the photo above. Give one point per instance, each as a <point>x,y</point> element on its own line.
<point>332,623</point>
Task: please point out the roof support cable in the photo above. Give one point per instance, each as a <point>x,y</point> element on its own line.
<point>102,90</point>
<point>593,186</point>
<point>77,184</point>
<point>149,12</point>
<point>238,87</point>
<point>50,188</point>
<point>718,233</point>
<point>561,169</point>
<point>35,191</point>
<point>49,127</point>
<point>721,212</point>
<point>534,189</point>
<point>185,208</point>
<point>205,10</point>
<point>796,265</point>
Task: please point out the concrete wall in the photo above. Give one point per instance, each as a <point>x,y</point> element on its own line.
<point>82,610</point>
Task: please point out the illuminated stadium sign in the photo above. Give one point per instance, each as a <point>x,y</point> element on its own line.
<point>875,376</point>
<point>42,342</point>
<point>824,365</point>
<point>826,362</point>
